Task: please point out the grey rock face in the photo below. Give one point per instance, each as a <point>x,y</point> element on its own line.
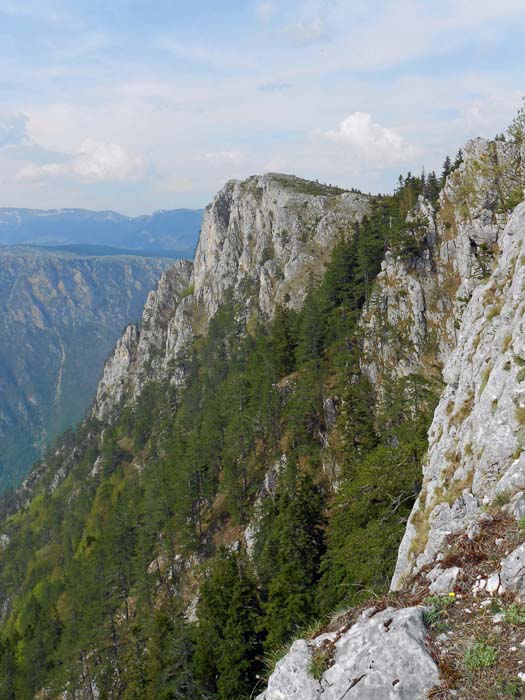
<point>140,354</point>
<point>381,657</point>
<point>262,241</point>
<point>477,437</point>
<point>272,233</point>
<point>512,575</point>
<point>267,490</point>
<point>413,314</point>
<point>443,581</point>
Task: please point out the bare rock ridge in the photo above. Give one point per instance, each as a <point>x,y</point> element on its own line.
<point>477,436</point>
<point>262,240</point>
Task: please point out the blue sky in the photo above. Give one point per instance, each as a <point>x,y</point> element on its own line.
<point>137,106</point>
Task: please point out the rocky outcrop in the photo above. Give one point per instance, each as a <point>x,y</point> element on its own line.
<point>262,241</point>
<point>411,321</point>
<point>140,354</point>
<point>458,304</point>
<point>272,234</point>
<point>477,438</point>
<point>383,656</point>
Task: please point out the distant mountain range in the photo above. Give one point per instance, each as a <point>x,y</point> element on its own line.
<point>60,315</point>
<point>173,232</point>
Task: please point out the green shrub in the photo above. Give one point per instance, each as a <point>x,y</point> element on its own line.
<point>436,607</point>
<point>510,689</point>
<point>480,655</point>
<point>515,615</point>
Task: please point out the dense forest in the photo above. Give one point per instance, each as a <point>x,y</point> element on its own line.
<point>100,571</point>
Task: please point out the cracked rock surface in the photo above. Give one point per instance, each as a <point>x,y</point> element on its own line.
<point>382,656</point>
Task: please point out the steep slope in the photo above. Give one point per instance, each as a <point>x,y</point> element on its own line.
<point>63,314</point>
<point>457,303</point>
<point>165,230</point>
<point>420,299</point>
<point>263,241</point>
<point>254,452</point>
<point>476,441</point>
<point>190,416</point>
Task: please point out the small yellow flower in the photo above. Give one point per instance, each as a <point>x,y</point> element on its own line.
<point>452,594</point>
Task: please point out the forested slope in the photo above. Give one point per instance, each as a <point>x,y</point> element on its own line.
<point>255,447</point>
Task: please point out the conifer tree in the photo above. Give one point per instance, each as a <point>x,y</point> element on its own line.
<point>7,671</point>
<point>311,329</point>
<point>240,655</point>
<point>225,628</point>
<point>447,169</point>
<point>283,340</point>
<point>458,159</point>
<point>290,560</point>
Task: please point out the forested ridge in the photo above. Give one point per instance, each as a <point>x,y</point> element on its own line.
<point>277,426</point>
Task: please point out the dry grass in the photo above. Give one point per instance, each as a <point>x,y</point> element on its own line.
<point>469,624</point>
<point>463,632</point>
<point>507,340</point>
<point>463,412</point>
<point>485,375</point>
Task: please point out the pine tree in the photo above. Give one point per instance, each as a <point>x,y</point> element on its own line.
<point>375,498</point>
<point>240,656</point>
<point>283,340</point>
<point>168,660</point>
<point>432,188</point>
<point>447,169</point>
<point>227,649</point>
<point>7,671</point>
<point>311,329</point>
<point>290,559</point>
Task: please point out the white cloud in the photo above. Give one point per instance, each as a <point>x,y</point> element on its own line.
<point>224,157</point>
<point>372,141</point>
<point>275,165</point>
<point>96,161</point>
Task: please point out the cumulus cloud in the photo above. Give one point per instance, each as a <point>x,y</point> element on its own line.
<point>224,157</point>
<point>96,161</point>
<point>372,141</point>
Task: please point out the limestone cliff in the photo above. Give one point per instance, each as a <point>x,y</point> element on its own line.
<point>477,436</point>
<point>457,307</point>
<point>263,240</point>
